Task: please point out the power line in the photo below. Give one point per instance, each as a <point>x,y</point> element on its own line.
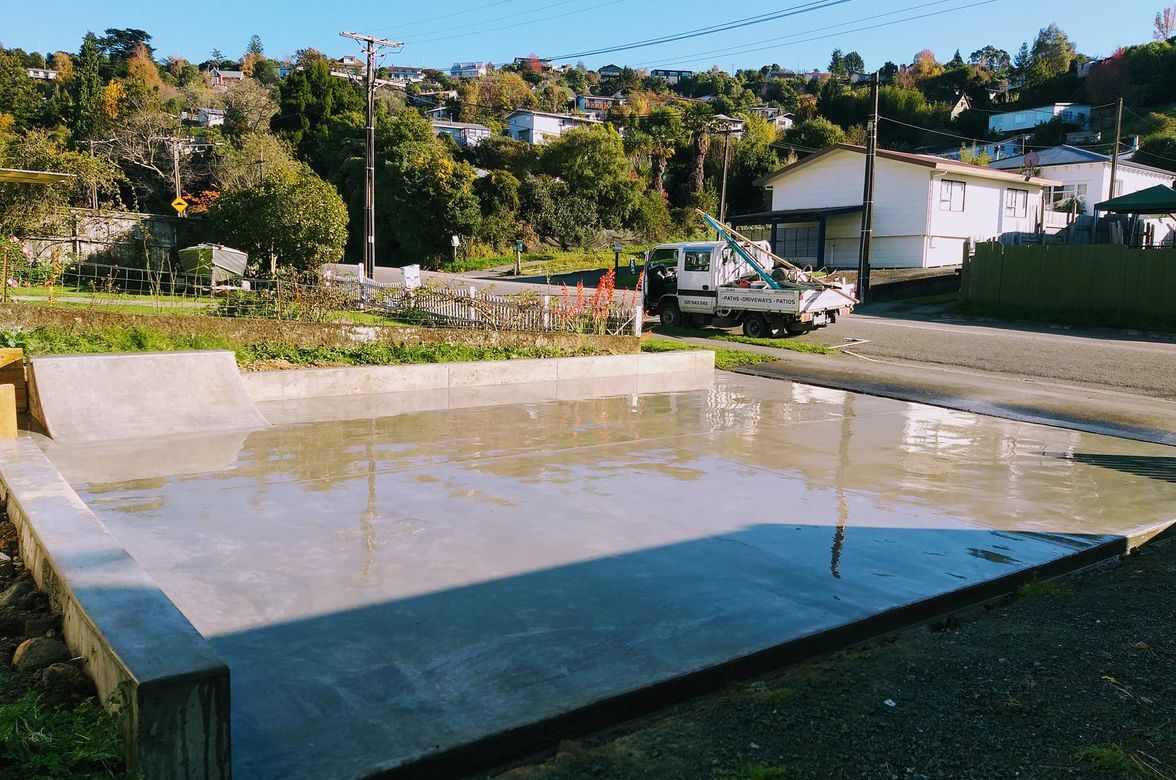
<point>521,24</point>
<point>866,28</point>
<point>479,24</point>
<point>815,5</point>
<point>978,140</point>
<point>432,19</point>
<point>777,40</point>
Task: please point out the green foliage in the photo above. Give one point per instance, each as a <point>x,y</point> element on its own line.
<point>555,211</point>
<point>54,340</point>
<point>651,218</point>
<point>725,359</point>
<point>498,196</point>
<point>591,162</point>
<point>818,133</point>
<point>1052,55</point>
<point>1036,588</point>
<point>1112,757</point>
<point>308,99</point>
<point>300,223</point>
<point>18,94</point>
<point>30,208</point>
<point>43,742</point>
<point>504,153</point>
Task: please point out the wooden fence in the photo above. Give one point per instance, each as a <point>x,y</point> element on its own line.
<point>1092,279</point>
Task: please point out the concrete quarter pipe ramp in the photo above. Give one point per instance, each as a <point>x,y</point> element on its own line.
<point>85,398</point>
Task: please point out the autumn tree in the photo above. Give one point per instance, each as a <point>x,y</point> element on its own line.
<point>925,66</point>
<point>248,108</point>
<point>1165,25</point>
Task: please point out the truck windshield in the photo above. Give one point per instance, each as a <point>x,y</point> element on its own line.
<point>663,257</point>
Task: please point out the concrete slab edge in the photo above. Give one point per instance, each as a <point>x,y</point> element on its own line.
<point>165,684</point>
<point>963,404</point>
<point>499,749</point>
<point>264,386</point>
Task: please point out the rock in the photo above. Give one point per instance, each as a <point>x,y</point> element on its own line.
<point>40,625</point>
<point>39,652</point>
<point>16,593</point>
<point>62,676</point>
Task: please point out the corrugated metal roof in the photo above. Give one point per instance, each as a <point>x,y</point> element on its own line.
<point>1056,155</point>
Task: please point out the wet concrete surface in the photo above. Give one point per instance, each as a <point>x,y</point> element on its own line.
<point>386,589</point>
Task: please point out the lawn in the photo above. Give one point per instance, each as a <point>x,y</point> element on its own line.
<point>719,335</point>
<point>725,359</point>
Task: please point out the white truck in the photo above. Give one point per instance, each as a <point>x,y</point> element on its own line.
<point>738,282</point>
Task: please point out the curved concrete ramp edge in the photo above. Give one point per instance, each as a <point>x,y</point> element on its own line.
<point>82,398</point>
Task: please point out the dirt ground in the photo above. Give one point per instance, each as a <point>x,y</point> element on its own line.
<point>1070,679</point>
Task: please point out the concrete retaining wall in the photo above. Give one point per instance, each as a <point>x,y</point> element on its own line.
<point>266,386</point>
<point>168,687</point>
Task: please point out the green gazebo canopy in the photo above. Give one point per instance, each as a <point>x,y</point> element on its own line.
<point>1154,200</point>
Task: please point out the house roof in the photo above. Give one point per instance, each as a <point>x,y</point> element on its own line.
<point>461,125</point>
<point>922,160</point>
<point>17,176</point>
<point>1153,200</point>
<point>792,215</point>
<point>518,111</point>
<point>229,74</point>
<point>1069,155</point>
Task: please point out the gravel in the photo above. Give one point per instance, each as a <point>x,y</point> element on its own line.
<point>1038,686</point>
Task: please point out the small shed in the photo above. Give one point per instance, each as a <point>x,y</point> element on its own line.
<point>221,263</point>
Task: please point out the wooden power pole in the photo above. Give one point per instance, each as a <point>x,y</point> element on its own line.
<point>863,291</point>
<point>369,195</point>
<point>1115,149</point>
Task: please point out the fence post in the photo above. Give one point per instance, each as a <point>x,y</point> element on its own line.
<point>473,300</point>
<point>638,314</point>
<point>546,312</point>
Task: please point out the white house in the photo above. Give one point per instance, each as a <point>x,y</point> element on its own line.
<point>1085,177</point>
<point>405,74</point>
<point>610,70</point>
<point>1029,118</point>
<point>465,133</point>
<point>777,117</point>
<point>925,208</point>
<point>469,70</point>
<point>539,127</point>
<point>204,117</point>
<point>670,75</point>
<point>41,74</point>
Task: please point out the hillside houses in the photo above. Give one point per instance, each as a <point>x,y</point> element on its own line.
<point>1029,118</point>
<point>539,127</point>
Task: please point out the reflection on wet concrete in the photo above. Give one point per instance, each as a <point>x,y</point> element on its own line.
<point>383,585</point>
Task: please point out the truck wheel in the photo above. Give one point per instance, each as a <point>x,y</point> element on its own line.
<point>670,315</point>
<point>756,326</point>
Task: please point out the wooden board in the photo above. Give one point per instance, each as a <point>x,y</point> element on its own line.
<point>12,372</point>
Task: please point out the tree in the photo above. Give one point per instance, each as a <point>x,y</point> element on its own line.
<point>300,224</point>
<point>699,121</point>
<point>27,209</point>
<point>1165,26</point>
<point>974,155</point>
<point>556,211</point>
<point>853,63</point>
<point>86,88</point>
<point>63,64</point>
<point>267,72</point>
<point>498,196</point>
<point>255,48</point>
<point>837,63</point>
<point>925,66</point>
<point>307,100</point>
<point>991,58</point>
<point>957,61</point>
<point>18,94</point>
<point>888,72</point>
<point>592,162</point>
<point>252,160</point>
<point>818,133</point>
<point>1108,79</point>
<point>248,108</point>
<point>1052,54</point>
<point>666,132</point>
<point>142,73</point>
<point>119,45</point>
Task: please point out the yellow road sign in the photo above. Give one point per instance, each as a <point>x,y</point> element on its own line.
<point>180,205</point>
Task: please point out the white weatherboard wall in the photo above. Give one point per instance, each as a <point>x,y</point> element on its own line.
<point>900,208</point>
<point>983,216</point>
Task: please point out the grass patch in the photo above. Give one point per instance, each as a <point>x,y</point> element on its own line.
<point>757,772</point>
<point>43,742</point>
<point>1114,758</point>
<point>1041,588</point>
<point>54,341</point>
<point>718,335</point>
<point>725,359</point>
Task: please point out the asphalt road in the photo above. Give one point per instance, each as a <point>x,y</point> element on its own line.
<point>1104,359</point>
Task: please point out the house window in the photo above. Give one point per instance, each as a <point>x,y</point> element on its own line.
<point>698,259</point>
<point>1017,203</point>
<point>1060,198</point>
<point>797,241</point>
<point>951,195</point>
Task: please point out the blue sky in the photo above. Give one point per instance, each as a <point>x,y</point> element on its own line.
<point>499,30</point>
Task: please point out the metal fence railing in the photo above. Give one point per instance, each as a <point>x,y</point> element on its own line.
<point>322,298</point>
